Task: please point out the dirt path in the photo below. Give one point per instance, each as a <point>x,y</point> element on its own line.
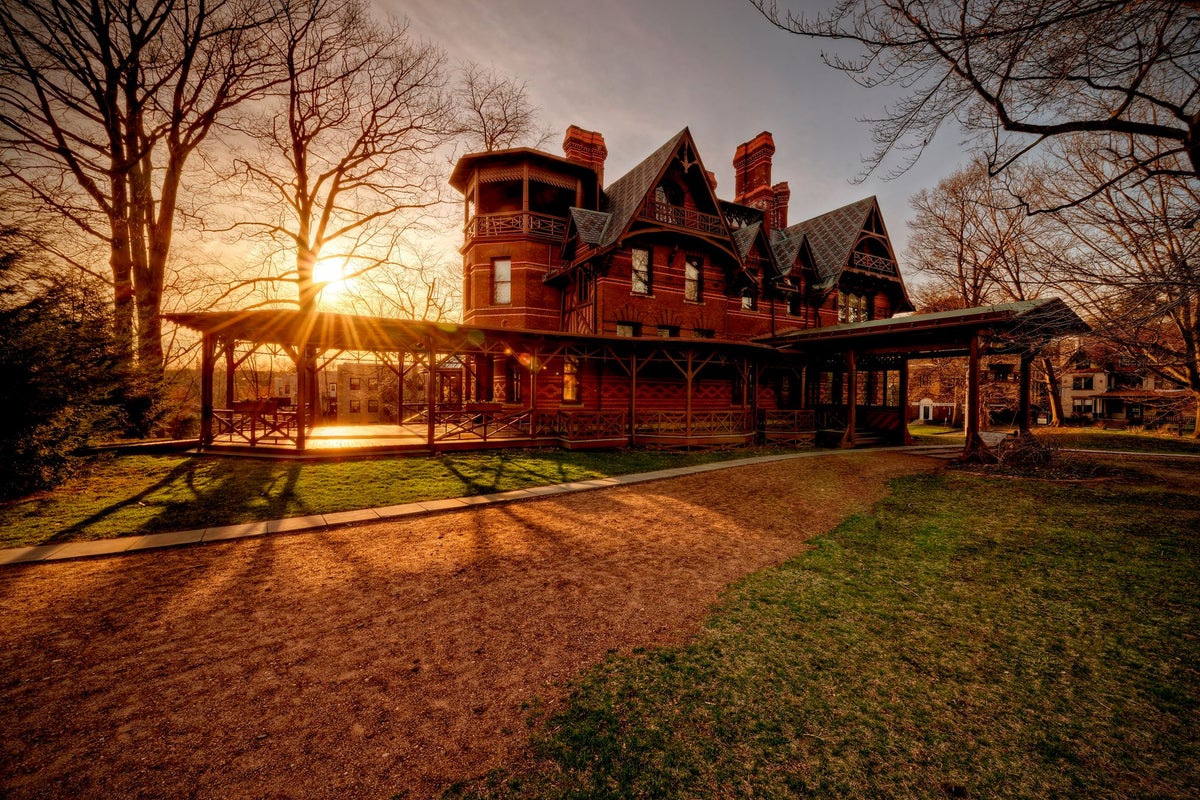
<point>392,658</point>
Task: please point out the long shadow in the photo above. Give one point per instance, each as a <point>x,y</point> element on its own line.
<point>186,468</point>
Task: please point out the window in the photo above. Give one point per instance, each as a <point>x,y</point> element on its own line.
<point>513,388</point>
<point>703,333</point>
<point>372,384</point>
<point>1082,406</point>
<point>355,383</point>
<point>795,305</point>
<point>355,405</point>
<point>502,281</point>
<point>749,301</point>
<point>372,405</point>
<point>693,280</point>
<point>667,331</point>
<point>628,329</point>
<point>1082,383</point>
<point>642,274</point>
<point>852,307</point>
<point>570,389</point>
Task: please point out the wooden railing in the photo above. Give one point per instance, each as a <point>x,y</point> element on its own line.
<point>483,425</point>
<point>576,426</point>
<point>791,427</point>
<point>255,422</point>
<point>530,223</point>
<point>873,263</point>
<point>703,423</point>
<point>682,217</point>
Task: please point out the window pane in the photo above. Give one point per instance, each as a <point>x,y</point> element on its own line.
<point>570,389</point>
<point>641,271</point>
<point>502,281</point>
<point>692,288</point>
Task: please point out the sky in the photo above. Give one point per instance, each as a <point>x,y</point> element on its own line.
<point>638,71</point>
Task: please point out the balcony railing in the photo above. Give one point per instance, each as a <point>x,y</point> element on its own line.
<point>873,263</point>
<point>515,223</point>
<point>681,217</point>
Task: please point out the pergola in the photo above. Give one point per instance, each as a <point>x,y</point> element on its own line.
<point>1020,328</point>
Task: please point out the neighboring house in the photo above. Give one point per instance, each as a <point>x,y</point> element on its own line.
<point>1098,387</point>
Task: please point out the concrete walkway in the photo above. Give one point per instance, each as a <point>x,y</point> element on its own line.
<point>132,544</point>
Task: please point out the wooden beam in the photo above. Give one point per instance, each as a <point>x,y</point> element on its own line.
<point>430,394</point>
<point>302,396</point>
<point>906,437</point>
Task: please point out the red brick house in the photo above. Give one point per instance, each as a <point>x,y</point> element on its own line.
<point>645,311</point>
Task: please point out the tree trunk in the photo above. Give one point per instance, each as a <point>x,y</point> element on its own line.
<point>1054,392</point>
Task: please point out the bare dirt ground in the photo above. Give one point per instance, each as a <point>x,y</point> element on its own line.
<point>391,658</point>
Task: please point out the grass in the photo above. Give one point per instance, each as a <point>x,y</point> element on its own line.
<point>935,434</point>
<point>1095,439</point>
<point>971,638</point>
<point>139,494</point>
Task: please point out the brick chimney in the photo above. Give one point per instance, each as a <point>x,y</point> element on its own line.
<point>779,205</point>
<point>752,187</point>
<point>586,148</point>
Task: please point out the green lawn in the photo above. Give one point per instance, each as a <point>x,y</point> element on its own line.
<point>1096,439</point>
<point>973,638</point>
<point>138,494</point>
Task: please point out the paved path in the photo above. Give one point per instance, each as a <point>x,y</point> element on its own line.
<point>130,544</point>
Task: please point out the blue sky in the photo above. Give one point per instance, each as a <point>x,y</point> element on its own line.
<point>640,70</point>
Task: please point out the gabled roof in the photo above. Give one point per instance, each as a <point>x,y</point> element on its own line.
<point>590,224</point>
<point>831,236</point>
<point>743,238</point>
<point>625,195</point>
<point>786,247</point>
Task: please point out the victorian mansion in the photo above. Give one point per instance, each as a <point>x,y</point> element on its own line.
<point>641,311</point>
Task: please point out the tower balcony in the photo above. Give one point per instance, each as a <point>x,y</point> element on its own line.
<point>870,263</point>
<point>515,223</point>
<point>681,217</point>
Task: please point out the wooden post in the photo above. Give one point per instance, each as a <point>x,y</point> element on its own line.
<point>688,418</point>
<point>230,368</point>
<point>1023,400</point>
<point>430,394</point>
<point>848,438</point>
<point>902,391</point>
<point>207,364</point>
<point>302,395</point>
<point>633,371</point>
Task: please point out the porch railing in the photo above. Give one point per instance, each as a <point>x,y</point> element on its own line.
<point>703,423</point>
<point>254,423</point>
<point>577,426</point>
<point>483,425</point>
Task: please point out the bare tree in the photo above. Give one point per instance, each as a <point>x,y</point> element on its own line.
<point>1019,73</point>
<point>102,103</point>
<point>418,285</point>
<point>1137,267</point>
<point>495,111</point>
<point>975,244</point>
<point>344,158</point>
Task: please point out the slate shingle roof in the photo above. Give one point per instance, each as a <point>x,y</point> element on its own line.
<point>831,236</point>
<point>625,195</point>
<point>589,225</point>
<point>743,238</point>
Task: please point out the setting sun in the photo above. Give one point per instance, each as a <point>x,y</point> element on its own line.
<point>330,272</point>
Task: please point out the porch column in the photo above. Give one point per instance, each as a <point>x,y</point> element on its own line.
<point>975,449</point>
<point>633,371</point>
<point>848,439</point>
<point>1023,391</point>
<point>303,378</point>
<point>207,364</point>
<point>902,391</point>
<point>688,407</point>
<point>430,394</point>
<point>230,367</point>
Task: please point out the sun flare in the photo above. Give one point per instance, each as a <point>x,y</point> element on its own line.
<point>332,273</point>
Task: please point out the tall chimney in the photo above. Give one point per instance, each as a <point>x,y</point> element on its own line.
<point>752,176</point>
<point>586,148</point>
<point>779,205</point>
